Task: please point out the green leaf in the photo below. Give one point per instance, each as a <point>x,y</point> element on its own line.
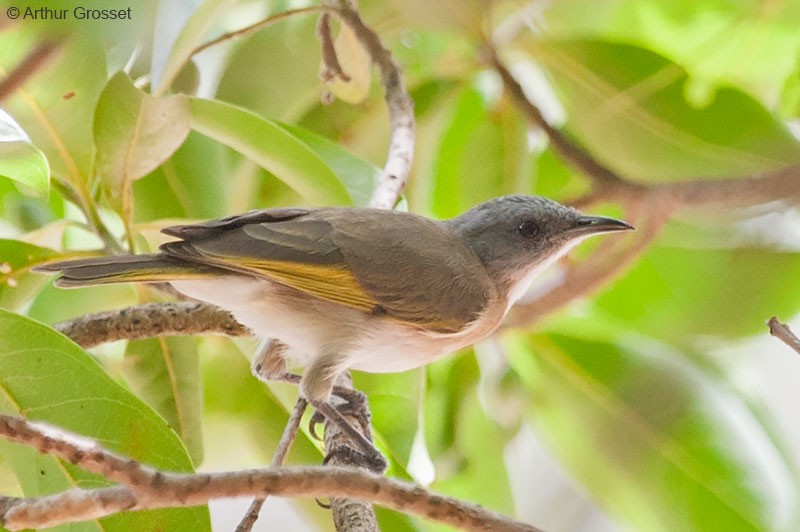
<point>629,107</point>
<point>165,373</point>
<point>17,284</point>
<point>193,183</point>
<point>45,377</point>
<point>19,159</point>
<point>188,80</point>
<point>134,133</point>
<point>678,294</point>
<point>464,443</point>
<point>25,213</point>
<point>790,96</point>
<point>282,84</point>
<point>358,176</point>
<point>555,178</point>
<point>272,147</point>
<point>395,521</point>
<point>656,442</point>
<point>57,106</point>
<point>467,117</point>
<point>717,41</point>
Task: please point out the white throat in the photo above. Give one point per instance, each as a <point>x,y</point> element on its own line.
<point>523,283</point>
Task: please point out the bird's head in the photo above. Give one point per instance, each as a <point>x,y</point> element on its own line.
<point>516,237</point>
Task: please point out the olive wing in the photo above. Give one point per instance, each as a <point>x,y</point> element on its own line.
<point>416,268</point>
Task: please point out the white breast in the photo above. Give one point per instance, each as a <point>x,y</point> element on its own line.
<point>312,327</point>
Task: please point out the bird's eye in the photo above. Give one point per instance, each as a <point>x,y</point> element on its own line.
<point>529,229</point>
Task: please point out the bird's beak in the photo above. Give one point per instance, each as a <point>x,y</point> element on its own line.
<point>593,225</point>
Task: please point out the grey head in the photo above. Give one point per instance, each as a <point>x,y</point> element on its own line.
<point>517,236</point>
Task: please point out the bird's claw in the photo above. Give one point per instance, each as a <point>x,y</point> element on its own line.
<point>316,420</point>
<point>353,406</point>
<point>346,455</point>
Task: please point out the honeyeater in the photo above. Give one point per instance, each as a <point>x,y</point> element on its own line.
<point>355,288</point>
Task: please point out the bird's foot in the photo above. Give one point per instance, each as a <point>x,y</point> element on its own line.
<point>347,456</point>
<point>269,364</point>
<point>365,453</point>
<point>353,406</point>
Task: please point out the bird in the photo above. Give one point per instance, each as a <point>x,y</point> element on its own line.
<point>339,288</point>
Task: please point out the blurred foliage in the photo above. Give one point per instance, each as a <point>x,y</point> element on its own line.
<point>126,130</point>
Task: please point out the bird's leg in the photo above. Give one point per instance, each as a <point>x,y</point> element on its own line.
<point>317,386</point>
<point>269,365</point>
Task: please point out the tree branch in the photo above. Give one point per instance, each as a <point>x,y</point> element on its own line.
<point>399,103</point>
<point>75,449</point>
<point>151,320</point>
<point>147,488</point>
<point>610,186</point>
<point>783,184</point>
<point>782,332</point>
<point>351,515</point>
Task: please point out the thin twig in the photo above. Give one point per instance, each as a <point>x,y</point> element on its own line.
<point>257,26</point>
<point>30,65</point>
<point>782,332</point>
<point>285,443</point>
<point>330,60</point>
<point>399,103</point>
<point>147,488</point>
<point>564,146</point>
<point>151,320</point>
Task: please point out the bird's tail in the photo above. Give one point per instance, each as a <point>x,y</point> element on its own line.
<point>153,268</point>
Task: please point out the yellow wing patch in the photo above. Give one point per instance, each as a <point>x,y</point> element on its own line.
<point>332,283</point>
<point>339,286</point>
